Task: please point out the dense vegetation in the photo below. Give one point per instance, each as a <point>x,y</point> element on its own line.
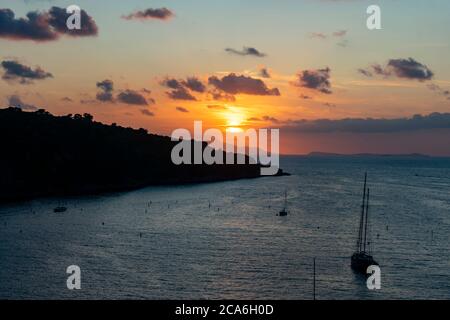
<point>46,155</point>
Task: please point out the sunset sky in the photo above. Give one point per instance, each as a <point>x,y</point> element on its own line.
<point>310,68</point>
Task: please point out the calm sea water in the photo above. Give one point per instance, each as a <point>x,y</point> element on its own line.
<point>167,243</point>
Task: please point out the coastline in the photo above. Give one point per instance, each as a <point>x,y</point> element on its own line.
<point>110,189</point>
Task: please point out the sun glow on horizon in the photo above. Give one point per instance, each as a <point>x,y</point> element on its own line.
<point>234,130</point>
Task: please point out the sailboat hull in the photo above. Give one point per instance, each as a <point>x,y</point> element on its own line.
<point>283,213</point>
<point>361,261</point>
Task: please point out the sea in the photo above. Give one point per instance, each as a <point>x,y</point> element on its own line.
<point>225,241</point>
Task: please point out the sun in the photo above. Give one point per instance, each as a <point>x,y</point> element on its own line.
<point>235,118</point>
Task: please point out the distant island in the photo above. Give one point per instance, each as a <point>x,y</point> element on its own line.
<point>47,155</point>
<point>327,154</point>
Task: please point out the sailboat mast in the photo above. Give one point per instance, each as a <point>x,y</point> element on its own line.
<point>361,221</point>
<point>367,219</point>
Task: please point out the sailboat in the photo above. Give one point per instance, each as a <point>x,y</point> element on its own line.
<point>284,212</point>
<point>362,258</point>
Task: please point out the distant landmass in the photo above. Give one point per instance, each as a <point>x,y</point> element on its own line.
<point>327,154</point>
<point>46,155</point>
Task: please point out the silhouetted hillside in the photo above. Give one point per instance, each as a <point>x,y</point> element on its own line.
<point>43,155</point>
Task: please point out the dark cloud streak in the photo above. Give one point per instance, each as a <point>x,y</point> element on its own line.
<point>417,122</point>
<point>158,14</point>
<point>15,71</point>
<point>315,79</point>
<point>401,68</point>
<point>235,84</point>
<point>182,109</point>
<point>246,51</point>
<point>15,101</point>
<point>132,97</point>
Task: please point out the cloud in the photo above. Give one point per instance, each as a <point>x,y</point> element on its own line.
<point>318,35</point>
<point>88,101</point>
<point>147,113</point>
<point>343,43</point>
<point>172,83</point>
<point>340,33</point>
<point>104,97</point>
<point>378,70</point>
<point>400,68</point>
<point>43,26</point>
<point>106,87</point>
<point>410,69</point>
<point>235,84</point>
<point>58,20</point>
<point>221,96</point>
<point>270,119</point>
<point>14,101</point>
<point>194,84</point>
<point>34,27</point>
<point>305,97</point>
<point>181,94</point>
<point>335,34</point>
<point>439,90</point>
<point>182,109</point>
<point>264,118</point>
<point>15,71</point>
<point>181,88</point>
<point>365,72</point>
<point>264,73</point>
<point>315,79</point>
<point>158,14</point>
<point>132,97</point>
<point>368,125</point>
<point>246,51</point>
<point>217,107</point>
